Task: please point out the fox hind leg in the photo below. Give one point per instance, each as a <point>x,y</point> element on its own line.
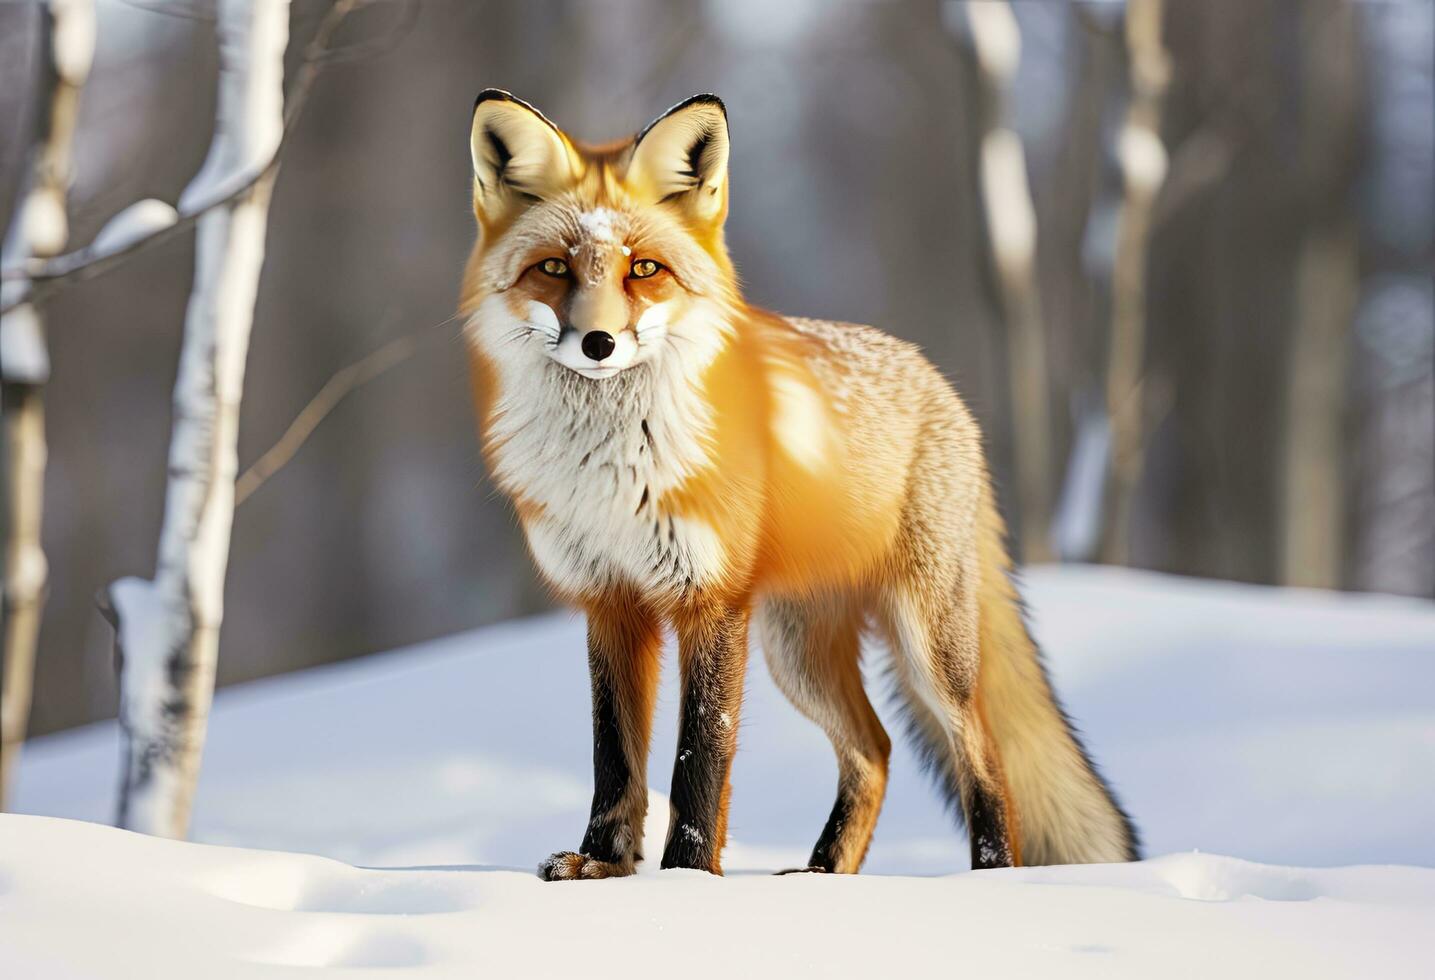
<point>934,643</point>
<point>812,651</point>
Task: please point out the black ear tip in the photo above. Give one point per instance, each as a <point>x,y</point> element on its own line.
<point>502,95</point>
<point>706,98</point>
<point>492,95</point>
<point>703,98</point>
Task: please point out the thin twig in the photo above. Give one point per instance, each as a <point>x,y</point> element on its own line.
<point>408,15</point>
<point>343,383</point>
<point>87,262</point>
<point>171,9</point>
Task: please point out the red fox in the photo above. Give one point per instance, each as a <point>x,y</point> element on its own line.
<point>679,458</point>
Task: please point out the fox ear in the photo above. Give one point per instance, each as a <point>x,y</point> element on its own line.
<point>518,156</point>
<point>681,159</point>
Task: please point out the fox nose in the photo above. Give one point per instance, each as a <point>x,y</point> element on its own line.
<point>598,344</point>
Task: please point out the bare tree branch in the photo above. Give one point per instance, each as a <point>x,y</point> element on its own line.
<point>404,21</point>
<point>343,383</point>
<point>171,8</point>
<point>94,259</point>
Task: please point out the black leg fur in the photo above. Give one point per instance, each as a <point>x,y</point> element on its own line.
<point>713,653</point>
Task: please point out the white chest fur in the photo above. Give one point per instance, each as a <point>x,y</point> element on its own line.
<point>594,459</point>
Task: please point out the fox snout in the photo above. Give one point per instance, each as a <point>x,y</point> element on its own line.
<point>597,312</point>
<point>596,352</point>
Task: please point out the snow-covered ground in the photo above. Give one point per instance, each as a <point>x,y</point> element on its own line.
<point>1292,729</point>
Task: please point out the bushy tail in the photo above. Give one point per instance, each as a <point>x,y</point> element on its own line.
<point>1064,812</point>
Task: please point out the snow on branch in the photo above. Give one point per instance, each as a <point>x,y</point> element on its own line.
<point>140,220</point>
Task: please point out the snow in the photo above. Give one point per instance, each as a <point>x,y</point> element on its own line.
<point>995,35</point>
<point>1293,730</point>
<point>1009,205</point>
<point>44,226</point>
<point>167,909</point>
<point>598,224</point>
<point>23,356</point>
<point>73,39</point>
<point>1143,157</point>
<point>140,220</point>
<point>250,118</point>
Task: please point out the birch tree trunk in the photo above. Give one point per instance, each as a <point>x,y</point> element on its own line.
<point>1143,168</point>
<point>1314,455</point>
<point>1011,226</point>
<point>39,230</point>
<point>1327,288</point>
<point>167,630</point>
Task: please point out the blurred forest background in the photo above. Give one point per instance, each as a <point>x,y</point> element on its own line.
<point>1286,378</point>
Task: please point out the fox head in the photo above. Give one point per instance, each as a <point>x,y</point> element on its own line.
<point>596,259</point>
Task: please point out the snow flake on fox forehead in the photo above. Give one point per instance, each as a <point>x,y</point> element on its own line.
<point>601,230</point>
<point>600,225</point>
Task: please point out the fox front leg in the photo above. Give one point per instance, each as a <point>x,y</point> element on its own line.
<point>712,649</point>
<point>624,641</point>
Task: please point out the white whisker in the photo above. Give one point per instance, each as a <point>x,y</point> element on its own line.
<point>548,330</point>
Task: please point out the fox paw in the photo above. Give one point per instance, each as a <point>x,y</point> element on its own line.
<point>572,866</point>
<point>811,869</point>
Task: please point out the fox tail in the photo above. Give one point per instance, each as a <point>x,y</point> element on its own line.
<point>1063,811</point>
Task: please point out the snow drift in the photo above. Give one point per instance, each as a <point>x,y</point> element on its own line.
<point>1281,727</point>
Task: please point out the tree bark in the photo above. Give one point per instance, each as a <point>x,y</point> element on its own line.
<point>1012,232</point>
<point>167,630</point>
<point>1143,168</point>
<point>39,230</point>
<point>1327,289</point>
<point>1313,512</point>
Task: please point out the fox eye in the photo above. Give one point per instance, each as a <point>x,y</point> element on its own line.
<point>556,268</point>
<point>643,268</point>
